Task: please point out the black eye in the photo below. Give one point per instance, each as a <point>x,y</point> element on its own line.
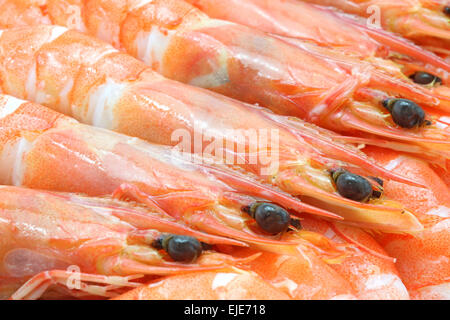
<point>425,78</point>
<point>353,186</point>
<point>405,113</point>
<point>182,248</point>
<point>270,217</point>
<point>447,10</point>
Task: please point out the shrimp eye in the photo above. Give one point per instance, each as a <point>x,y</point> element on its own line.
<point>447,10</point>
<point>352,186</point>
<point>182,248</point>
<point>425,78</point>
<point>405,113</point>
<point>270,217</point>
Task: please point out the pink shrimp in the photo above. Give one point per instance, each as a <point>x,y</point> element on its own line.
<point>184,44</point>
<point>423,21</point>
<point>109,243</point>
<point>42,149</point>
<point>75,74</point>
<point>232,284</point>
<point>303,24</point>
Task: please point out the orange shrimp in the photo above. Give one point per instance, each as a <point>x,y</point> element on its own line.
<point>184,44</point>
<point>232,284</point>
<point>302,24</point>
<point>444,174</point>
<point>46,150</point>
<point>303,21</point>
<point>423,260</point>
<point>109,243</point>
<point>423,21</point>
<point>85,78</point>
<point>42,149</point>
<point>365,272</point>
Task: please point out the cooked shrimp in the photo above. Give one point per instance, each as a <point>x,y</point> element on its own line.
<point>109,243</point>
<point>78,158</point>
<point>75,74</point>
<point>42,149</point>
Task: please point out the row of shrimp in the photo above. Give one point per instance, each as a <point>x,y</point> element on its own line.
<point>106,186</point>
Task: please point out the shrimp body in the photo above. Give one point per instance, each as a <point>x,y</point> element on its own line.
<point>423,21</point>
<point>108,241</point>
<point>85,78</point>
<point>184,44</point>
<point>42,149</point>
